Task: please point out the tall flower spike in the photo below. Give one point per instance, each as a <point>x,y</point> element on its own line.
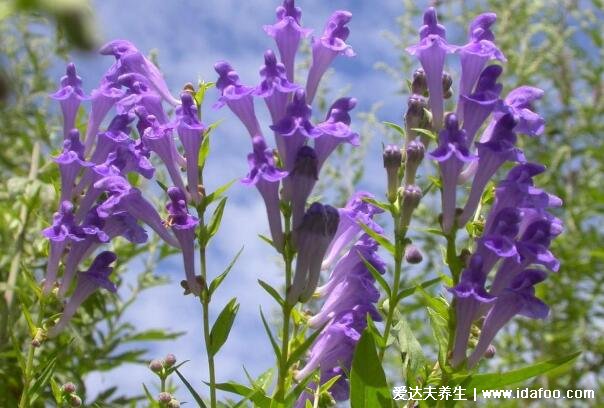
<point>265,176</point>
<point>335,129</point>
<point>294,127</point>
<point>183,225</point>
<point>102,100</point>
<point>159,139</point>
<point>475,54</point>
<point>312,239</point>
<point>491,155</point>
<point>70,162</point>
<point>236,96</point>
<point>70,95</point>
<point>190,132</point>
<point>274,87</point>
<point>452,153</point>
<point>326,48</point>
<point>123,197</point>
<point>287,33</point>
<point>431,51</point>
<point>128,59</point>
<point>481,102</point>
<point>519,298</point>
<point>301,181</point>
<point>97,276</point>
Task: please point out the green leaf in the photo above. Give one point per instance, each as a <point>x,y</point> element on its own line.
<point>411,290</point>
<point>299,352</point>
<point>152,335</point>
<point>425,132</point>
<point>255,395</point>
<point>162,185</point>
<point>271,291</point>
<point>270,337</point>
<point>204,151</point>
<point>214,223</point>
<point>202,88</point>
<point>382,240</point>
<point>149,396</point>
<point>217,194</point>
<point>222,326</point>
<point>493,381</point>
<point>380,204</point>
<point>194,393</point>
<point>368,386</point>
<point>411,351</point>
<point>376,274</point>
<point>56,391</point>
<point>30,323</point>
<point>218,280</point>
<point>43,378</point>
<point>397,128</point>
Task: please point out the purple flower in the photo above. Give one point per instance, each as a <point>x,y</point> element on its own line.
<point>130,60</point>
<point>519,103</point>
<point>326,48</point>
<point>335,129</point>
<point>476,53</point>
<point>237,97</point>
<point>480,103</point>
<point>491,155</point>
<point>70,95</point>
<point>301,181</point>
<point>159,139</point>
<point>294,128</point>
<point>452,153</point>
<point>117,134</point>
<point>355,212</point>
<point>102,100</point>
<point>431,51</point>
<point>97,276</point>
<point>469,295</point>
<point>183,225</point>
<point>287,33</point>
<point>519,298</point>
<point>312,239</point>
<point>274,87</point>
<point>139,94</point>
<point>265,176</point>
<point>190,132</point>
<point>70,161</point>
<point>123,197</point>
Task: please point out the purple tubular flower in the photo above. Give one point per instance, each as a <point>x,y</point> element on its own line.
<point>70,95</point>
<point>287,33</point>
<point>123,197</point>
<point>469,295</point>
<point>139,94</point>
<point>452,153</point>
<point>190,132</point>
<point>301,181</point>
<point>236,96</point>
<point>183,225</point>
<point>97,276</point>
<point>159,139</point>
<point>481,102</point>
<point>274,87</point>
<point>128,60</point>
<point>431,51</point>
<point>491,155</point>
<point>117,134</point>
<point>59,234</point>
<point>335,129</point>
<point>70,162</point>
<point>265,176</point>
<point>312,239</point>
<point>519,298</point>
<point>102,100</point>
<point>294,128</point>
<point>475,54</point>
<point>519,103</point>
<point>326,48</point>
<point>355,212</point>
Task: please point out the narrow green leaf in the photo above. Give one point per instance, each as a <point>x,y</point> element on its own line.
<point>43,378</point>
<point>204,150</point>
<point>149,396</point>
<point>368,386</point>
<point>56,391</point>
<point>202,88</point>
<point>271,291</point>
<point>222,326</point>
<point>397,128</point>
<point>162,185</point>
<point>216,218</point>
<point>194,393</point>
<point>271,338</point>
<point>411,351</point>
<point>382,240</point>
<point>255,395</point>
<point>267,240</point>
<point>380,204</point>
<point>425,132</point>
<point>299,352</point>
<point>30,323</point>
<point>295,393</point>
<point>218,280</point>
<point>411,290</point>
<point>217,194</point>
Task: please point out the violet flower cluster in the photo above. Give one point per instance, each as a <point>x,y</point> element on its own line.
<point>350,295</point>
<point>518,228</point>
<point>288,174</point>
<point>97,201</point>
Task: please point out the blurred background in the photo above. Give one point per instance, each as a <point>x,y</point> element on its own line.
<point>556,45</point>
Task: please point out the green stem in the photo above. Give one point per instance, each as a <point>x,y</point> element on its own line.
<point>29,365</point>
<point>455,265</point>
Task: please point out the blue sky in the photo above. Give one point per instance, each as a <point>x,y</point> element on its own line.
<point>189,37</point>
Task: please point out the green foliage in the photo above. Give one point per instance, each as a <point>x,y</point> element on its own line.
<point>368,386</point>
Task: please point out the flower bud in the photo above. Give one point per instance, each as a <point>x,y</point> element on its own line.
<point>490,351</point>
<point>156,366</point>
<point>415,117</point>
<point>413,255</point>
<point>410,197</point>
<point>170,360</point>
<point>75,401</point>
<point>173,404</point>
<point>164,397</point>
<point>447,82</point>
<point>392,163</point>
<point>414,154</point>
<point>419,85</point>
<point>68,388</point>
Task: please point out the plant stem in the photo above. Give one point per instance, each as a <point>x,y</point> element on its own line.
<point>455,265</point>
<point>29,365</point>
